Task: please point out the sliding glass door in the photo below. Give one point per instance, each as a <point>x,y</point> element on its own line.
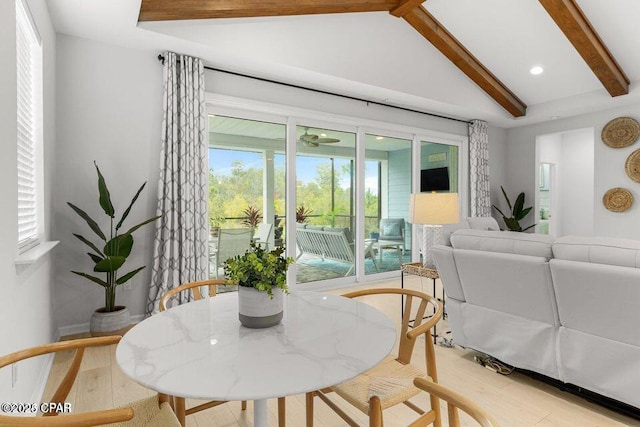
<point>325,204</point>
<point>246,186</point>
<point>387,190</point>
<point>349,192</point>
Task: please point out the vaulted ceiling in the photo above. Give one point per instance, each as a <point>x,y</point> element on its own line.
<point>467,58</point>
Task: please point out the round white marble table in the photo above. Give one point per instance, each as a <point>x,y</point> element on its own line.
<point>200,349</point>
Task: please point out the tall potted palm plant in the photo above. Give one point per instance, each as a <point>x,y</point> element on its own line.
<point>108,257</point>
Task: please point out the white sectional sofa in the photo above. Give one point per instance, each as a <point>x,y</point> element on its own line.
<point>568,308</point>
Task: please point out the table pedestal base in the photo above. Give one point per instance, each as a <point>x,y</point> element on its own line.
<point>260,413</point>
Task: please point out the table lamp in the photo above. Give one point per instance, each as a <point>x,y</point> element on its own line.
<point>432,210</point>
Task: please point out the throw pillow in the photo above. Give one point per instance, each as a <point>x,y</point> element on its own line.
<point>391,229</point>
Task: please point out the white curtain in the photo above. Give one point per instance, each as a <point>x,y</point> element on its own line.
<point>180,251</point>
<point>479,169</point>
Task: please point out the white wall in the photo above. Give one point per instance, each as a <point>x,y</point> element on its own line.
<point>26,313</point>
<point>608,166</point>
<point>109,110</point>
<point>577,176</point>
<point>242,87</point>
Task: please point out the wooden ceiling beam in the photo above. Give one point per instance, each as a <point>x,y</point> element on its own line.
<point>584,38</point>
<point>164,10</point>
<point>405,6</point>
<point>434,32</point>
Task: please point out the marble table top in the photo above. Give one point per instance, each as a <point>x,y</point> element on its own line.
<point>200,349</point>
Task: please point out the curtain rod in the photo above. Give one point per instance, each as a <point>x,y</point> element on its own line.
<point>354,98</point>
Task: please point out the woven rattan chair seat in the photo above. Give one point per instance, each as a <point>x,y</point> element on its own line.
<point>391,381</point>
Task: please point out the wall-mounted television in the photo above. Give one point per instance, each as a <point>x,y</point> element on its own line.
<point>436,179</point>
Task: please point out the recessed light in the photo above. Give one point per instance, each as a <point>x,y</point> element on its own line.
<point>324,135</point>
<point>379,138</point>
<point>213,341</point>
<point>536,70</point>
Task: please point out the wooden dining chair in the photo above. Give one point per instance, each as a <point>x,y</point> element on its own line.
<point>454,401</point>
<point>150,412</point>
<point>196,289</point>
<point>391,382</point>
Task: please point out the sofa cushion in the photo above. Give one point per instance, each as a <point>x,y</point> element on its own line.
<point>448,229</point>
<point>483,223</point>
<point>598,250</point>
<point>509,242</point>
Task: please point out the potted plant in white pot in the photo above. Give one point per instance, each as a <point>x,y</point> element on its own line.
<point>261,277</point>
<point>116,248</point>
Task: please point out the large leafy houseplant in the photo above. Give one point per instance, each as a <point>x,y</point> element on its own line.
<point>259,269</point>
<point>518,212</point>
<point>116,245</point>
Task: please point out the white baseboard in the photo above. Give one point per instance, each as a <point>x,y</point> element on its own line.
<point>41,382</point>
<point>48,363</point>
<point>81,328</point>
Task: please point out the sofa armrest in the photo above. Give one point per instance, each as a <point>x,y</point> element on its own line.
<point>446,265</point>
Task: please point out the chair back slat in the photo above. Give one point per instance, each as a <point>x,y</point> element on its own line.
<point>409,336</point>
<point>65,385</point>
<point>422,308</point>
<point>403,351</point>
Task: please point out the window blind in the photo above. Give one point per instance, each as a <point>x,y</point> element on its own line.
<point>29,123</point>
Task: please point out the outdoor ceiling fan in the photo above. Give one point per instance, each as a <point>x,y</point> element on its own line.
<point>311,140</point>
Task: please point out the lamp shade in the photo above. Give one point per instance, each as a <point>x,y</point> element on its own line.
<point>434,208</point>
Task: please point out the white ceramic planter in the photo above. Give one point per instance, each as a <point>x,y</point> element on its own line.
<point>257,310</point>
<point>110,323</point>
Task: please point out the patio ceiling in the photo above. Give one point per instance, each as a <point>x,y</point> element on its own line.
<point>271,131</point>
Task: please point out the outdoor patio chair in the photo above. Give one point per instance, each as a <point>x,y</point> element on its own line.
<point>391,235</point>
<point>392,229</point>
<point>263,235</point>
<point>231,242</point>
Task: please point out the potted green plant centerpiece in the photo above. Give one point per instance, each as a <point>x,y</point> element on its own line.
<point>109,256</point>
<point>261,277</point>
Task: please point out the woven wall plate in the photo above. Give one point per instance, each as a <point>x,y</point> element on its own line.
<point>632,166</point>
<point>617,199</point>
<point>621,132</point>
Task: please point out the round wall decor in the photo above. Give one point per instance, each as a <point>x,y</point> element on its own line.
<point>617,199</point>
<point>632,166</point>
<point>621,132</point>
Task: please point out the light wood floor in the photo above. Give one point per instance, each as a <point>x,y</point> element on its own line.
<point>514,400</point>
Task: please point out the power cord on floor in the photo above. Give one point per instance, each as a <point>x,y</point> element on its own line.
<point>493,364</point>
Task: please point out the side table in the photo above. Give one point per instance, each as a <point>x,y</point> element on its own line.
<point>417,269</point>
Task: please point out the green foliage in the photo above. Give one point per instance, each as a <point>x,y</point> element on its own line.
<point>116,248</point>
<point>252,217</point>
<point>230,192</point>
<point>216,220</point>
<point>518,212</point>
<point>259,269</point>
